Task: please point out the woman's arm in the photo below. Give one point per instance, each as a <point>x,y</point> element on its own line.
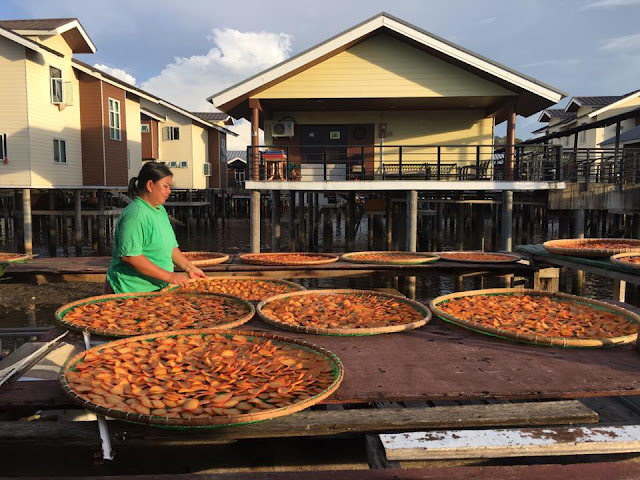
<point>146,267</point>
<point>180,261</point>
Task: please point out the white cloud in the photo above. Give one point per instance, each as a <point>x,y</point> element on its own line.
<point>188,81</point>
<point>622,44</point>
<point>243,129</point>
<point>609,4</point>
<point>116,72</point>
<point>486,21</point>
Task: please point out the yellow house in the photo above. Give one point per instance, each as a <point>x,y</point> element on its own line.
<point>383,93</point>
<point>39,94</point>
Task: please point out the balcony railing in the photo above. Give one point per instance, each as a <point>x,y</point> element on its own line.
<point>444,163</point>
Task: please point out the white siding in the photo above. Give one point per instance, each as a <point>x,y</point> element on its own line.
<point>200,156</point>
<point>134,137</point>
<point>48,122</point>
<point>13,114</point>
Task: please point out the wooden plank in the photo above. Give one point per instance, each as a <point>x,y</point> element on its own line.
<point>527,442</point>
<point>579,471</point>
<point>308,423</point>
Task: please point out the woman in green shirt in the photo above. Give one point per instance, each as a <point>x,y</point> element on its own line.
<point>145,249</point>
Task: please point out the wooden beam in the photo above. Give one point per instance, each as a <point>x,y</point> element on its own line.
<point>308,423</point>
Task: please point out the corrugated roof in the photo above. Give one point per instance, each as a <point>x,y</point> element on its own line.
<point>211,116</point>
<point>44,24</point>
<point>598,101</point>
<point>629,135</point>
<point>27,41</point>
<point>559,113</point>
<point>234,154</point>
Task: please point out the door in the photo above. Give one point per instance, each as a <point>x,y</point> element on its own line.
<point>360,140</point>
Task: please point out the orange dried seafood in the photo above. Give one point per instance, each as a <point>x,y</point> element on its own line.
<point>539,315</point>
<point>288,258</point>
<point>343,310</point>
<point>252,289</point>
<point>477,257</point>
<point>201,376</point>
<point>148,313</point>
<point>389,257</point>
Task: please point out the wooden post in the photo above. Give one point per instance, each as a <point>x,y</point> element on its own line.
<point>547,279</point>
<point>370,233</point>
<point>27,226</point>
<point>351,224</point>
<point>478,226</point>
<point>276,232</point>
<point>301,224</point>
<point>292,221</point>
<point>254,210</point>
<point>316,220</point>
<point>509,158</point>
<point>327,230</point>
<point>460,226</point>
<point>77,222</point>
<point>51,220</point>
<point>310,199</point>
<point>507,220</point>
<point>619,290</point>
<point>412,223</point>
<point>578,224</point>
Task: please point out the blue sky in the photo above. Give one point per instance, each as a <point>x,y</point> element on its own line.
<point>189,49</point>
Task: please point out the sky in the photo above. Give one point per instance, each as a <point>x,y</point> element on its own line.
<point>187,50</point>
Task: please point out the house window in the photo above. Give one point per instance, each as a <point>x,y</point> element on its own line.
<point>240,175</point>
<point>144,128</point>
<point>582,136</point>
<point>171,133</point>
<point>114,119</point>
<point>206,169</point>
<point>59,151</point>
<point>57,87</point>
<point>3,146</point>
<point>183,164</point>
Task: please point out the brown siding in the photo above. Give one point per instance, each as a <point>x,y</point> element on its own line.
<point>150,139</point>
<point>91,131</point>
<point>214,159</point>
<point>115,150</point>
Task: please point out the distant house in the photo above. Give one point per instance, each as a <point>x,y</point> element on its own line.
<point>586,110</point>
<point>66,124</point>
<point>237,168</point>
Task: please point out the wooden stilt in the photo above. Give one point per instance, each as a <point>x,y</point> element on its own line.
<point>578,224</point>
<point>389,223</point>
<point>51,222</point>
<point>301,221</point>
<point>27,225</point>
<point>507,220</point>
<point>101,223</point>
<point>292,221</point>
<point>412,223</point>
<point>275,220</point>
<point>77,222</point>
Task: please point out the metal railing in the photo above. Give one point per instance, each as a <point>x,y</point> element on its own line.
<point>444,163</point>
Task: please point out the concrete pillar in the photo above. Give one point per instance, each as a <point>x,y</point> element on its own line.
<point>292,221</point>
<point>26,219</point>
<point>477,220</point>
<point>301,223</point>
<point>509,158</point>
<point>327,230</point>
<point>412,222</point>
<point>77,222</point>
<point>51,221</point>
<point>507,220</point>
<point>316,220</point>
<point>254,210</point>
<point>276,232</point>
<point>578,224</point>
<point>389,223</point>
<point>310,221</point>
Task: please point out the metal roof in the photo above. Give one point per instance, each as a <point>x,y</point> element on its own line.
<point>44,24</point>
<point>212,116</point>
<point>629,135</point>
<point>236,154</point>
<point>559,113</point>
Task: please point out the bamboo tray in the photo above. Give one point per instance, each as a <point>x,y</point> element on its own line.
<point>202,259</point>
<point>321,384</point>
<point>624,259</point>
<point>269,286</point>
<point>568,247</point>
<point>211,322</point>
<point>394,257</point>
<point>275,259</point>
<point>6,257</point>
<point>349,329</point>
<point>530,337</point>
<point>489,257</point>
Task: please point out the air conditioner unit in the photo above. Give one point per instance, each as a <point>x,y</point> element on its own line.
<point>282,129</point>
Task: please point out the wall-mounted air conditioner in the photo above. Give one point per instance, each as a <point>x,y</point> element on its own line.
<point>282,129</point>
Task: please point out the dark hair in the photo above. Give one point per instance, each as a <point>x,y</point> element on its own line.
<point>153,171</point>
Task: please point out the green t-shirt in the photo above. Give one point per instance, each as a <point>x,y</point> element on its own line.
<point>141,230</point>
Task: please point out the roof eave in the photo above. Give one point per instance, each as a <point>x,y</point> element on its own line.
<point>615,104</point>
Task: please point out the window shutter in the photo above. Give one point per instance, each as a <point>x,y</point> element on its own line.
<point>165,133</point>
<point>67,94</point>
<point>176,133</point>
<point>3,146</point>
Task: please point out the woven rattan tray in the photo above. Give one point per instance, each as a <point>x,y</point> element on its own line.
<point>569,247</point>
<point>207,420</point>
<point>489,257</point>
<point>416,306</point>
<point>229,323</point>
<point>528,337</point>
<point>202,259</point>
<point>276,259</point>
<point>285,286</point>
<point>389,257</point>
<point>6,257</point>
<point>624,259</point>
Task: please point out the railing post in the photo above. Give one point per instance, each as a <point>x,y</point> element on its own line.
<point>558,163</point>
<point>362,173</point>
<point>324,163</point>
<point>587,177</point>
<point>400,162</point>
<point>477,162</point>
<point>439,161</point>
<point>287,174</point>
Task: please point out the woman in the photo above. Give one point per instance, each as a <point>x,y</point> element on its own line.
<point>145,249</point>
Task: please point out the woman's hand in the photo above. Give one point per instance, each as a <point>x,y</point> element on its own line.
<point>178,278</point>
<point>194,272</point>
